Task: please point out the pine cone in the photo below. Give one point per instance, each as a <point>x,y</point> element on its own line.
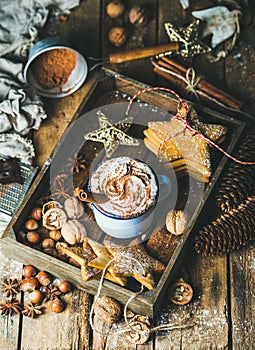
<point>232,230</point>
<point>238,183</point>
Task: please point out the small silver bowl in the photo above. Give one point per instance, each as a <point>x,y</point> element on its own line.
<point>76,78</point>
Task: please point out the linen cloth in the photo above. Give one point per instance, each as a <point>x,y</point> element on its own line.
<point>20,109</point>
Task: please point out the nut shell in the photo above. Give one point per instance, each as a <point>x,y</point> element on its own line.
<point>180,293</point>
<point>107,309</point>
<point>176,222</point>
<point>73,232</point>
<point>31,225</point>
<point>36,213</point>
<point>44,278</point>
<point>29,271</point>
<point>117,36</point>
<point>33,237</point>
<point>36,296</point>
<point>54,218</point>
<point>115,9</point>
<point>73,207</point>
<point>29,284</point>
<point>138,16</point>
<point>57,305</point>
<point>140,331</point>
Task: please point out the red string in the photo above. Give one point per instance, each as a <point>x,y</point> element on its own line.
<point>182,119</point>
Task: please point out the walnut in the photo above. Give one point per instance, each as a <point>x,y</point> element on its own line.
<point>117,36</point>
<point>54,218</point>
<point>138,16</point>
<point>139,331</point>
<point>73,232</point>
<point>107,309</point>
<point>115,9</point>
<point>73,207</point>
<point>180,293</point>
<point>176,222</point>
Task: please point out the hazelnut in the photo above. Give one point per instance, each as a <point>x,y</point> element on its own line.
<point>36,296</point>
<point>48,243</point>
<point>29,284</point>
<point>31,225</point>
<point>36,214</point>
<point>55,235</point>
<point>29,271</point>
<point>21,236</point>
<point>65,287</point>
<point>33,237</point>
<point>176,222</point>
<point>115,9</point>
<point>50,251</point>
<point>138,16</point>
<point>107,309</point>
<point>44,278</point>
<point>57,305</point>
<point>117,36</point>
<point>180,293</point>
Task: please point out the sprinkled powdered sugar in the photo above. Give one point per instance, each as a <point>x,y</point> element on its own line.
<point>130,185</point>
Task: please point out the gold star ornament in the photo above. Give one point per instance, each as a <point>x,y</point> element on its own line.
<point>112,135</point>
<point>187,37</point>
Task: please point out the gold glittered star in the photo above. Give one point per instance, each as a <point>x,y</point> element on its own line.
<point>190,46</point>
<point>112,135</point>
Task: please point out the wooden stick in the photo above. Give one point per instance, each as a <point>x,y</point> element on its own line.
<point>203,85</point>
<point>131,55</point>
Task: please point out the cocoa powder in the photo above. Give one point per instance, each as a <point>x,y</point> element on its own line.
<point>53,68</point>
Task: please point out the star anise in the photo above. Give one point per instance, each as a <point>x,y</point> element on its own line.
<point>10,287</point>
<point>76,164</point>
<point>32,310</point>
<point>51,292</point>
<point>10,307</point>
<point>79,164</point>
<point>61,187</point>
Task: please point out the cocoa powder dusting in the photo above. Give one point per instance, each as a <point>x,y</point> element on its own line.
<point>53,68</point>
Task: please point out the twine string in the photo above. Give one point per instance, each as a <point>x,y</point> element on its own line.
<point>100,285</point>
<point>183,119</point>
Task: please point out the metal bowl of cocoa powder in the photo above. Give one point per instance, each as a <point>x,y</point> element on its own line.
<point>54,69</point>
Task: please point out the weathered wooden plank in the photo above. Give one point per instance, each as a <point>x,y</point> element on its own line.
<point>9,326</point>
<point>242,263</point>
<point>137,38</point>
<point>242,274</point>
<point>208,276</point>
<point>205,318</point>
<point>70,329</point>
<point>67,330</point>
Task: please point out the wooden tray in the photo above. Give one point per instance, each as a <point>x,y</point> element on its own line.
<point>109,88</point>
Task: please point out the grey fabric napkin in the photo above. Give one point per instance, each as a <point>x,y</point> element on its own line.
<point>20,109</point>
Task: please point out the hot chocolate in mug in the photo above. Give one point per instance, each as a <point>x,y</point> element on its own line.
<point>133,190</point>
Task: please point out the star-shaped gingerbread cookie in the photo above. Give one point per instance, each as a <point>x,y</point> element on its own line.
<point>112,135</point>
<point>103,257</point>
<point>134,261</point>
<point>184,150</point>
<point>190,45</point>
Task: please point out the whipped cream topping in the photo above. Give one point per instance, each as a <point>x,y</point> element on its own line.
<point>130,185</point>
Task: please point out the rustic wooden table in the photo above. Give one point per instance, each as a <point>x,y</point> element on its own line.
<point>222,310</point>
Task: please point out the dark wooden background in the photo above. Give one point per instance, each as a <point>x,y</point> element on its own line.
<point>222,311</point>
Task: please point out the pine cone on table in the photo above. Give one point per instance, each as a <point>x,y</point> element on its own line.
<point>232,230</point>
<point>238,183</point>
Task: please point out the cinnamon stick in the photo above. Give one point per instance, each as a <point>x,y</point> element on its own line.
<point>180,85</point>
<point>89,197</point>
<point>202,85</point>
